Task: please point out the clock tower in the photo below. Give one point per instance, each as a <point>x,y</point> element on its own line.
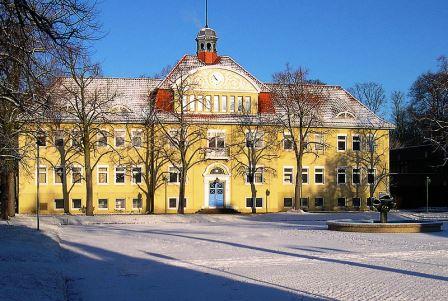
<point>206,43</point>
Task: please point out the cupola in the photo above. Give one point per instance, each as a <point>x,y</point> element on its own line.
<point>206,43</point>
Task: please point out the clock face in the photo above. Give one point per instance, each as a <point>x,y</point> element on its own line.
<point>217,78</point>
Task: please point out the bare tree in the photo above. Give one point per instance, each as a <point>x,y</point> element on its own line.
<point>32,34</point>
<point>88,100</point>
<point>254,145</point>
<point>299,103</point>
<point>371,95</point>
<point>429,107</point>
<point>399,118</point>
<point>146,151</point>
<point>186,139</point>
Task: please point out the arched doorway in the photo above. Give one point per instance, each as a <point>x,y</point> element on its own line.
<point>216,186</point>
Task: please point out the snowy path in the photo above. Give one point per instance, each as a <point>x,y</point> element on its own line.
<point>266,257</point>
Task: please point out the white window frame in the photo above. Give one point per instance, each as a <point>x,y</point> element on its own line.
<point>240,104</point>
<point>232,104</point>
<point>54,175</point>
<point>58,209</point>
<point>258,197</point>
<point>292,202</point>
<point>98,174</point>
<point>177,203</point>
<point>359,141</point>
<point>115,174</point>
<point>141,205</point>
<point>133,132</point>
<point>292,175</point>
<point>71,173</point>
<point>115,205</point>
<point>100,135</point>
<point>323,175</point>
<point>307,201</point>
<point>262,176</point>
<point>258,138</point>
<point>323,201</point>
<point>184,103</point>
<point>132,174</point>
<point>200,104</point>
<point>223,103</point>
<point>374,176</point>
<point>338,173</point>
<point>359,173</point>
<point>169,174</point>
<point>98,203</point>
<point>58,135</point>
<point>337,142</point>
<point>38,175</point>
<point>360,202</point>
<point>191,105</point>
<point>247,105</point>
<point>116,132</point>
<point>71,203</point>
<point>216,103</point>
<point>319,142</point>
<point>285,135</point>
<point>216,133</point>
<point>307,173</point>
<point>208,103</point>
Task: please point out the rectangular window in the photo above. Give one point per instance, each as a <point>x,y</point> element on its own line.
<point>191,104</point>
<point>58,138</point>
<point>184,103</point>
<point>287,202</point>
<point>200,103</point>
<point>240,103</point>
<point>254,139</point>
<point>318,202</point>
<point>258,202</point>
<point>371,142</point>
<point>120,172</point>
<point>356,176</point>
<point>341,175</point>
<point>103,174</point>
<point>223,103</point>
<point>41,138</point>
<point>356,202</point>
<point>288,175</point>
<point>174,175</point>
<point>58,174</point>
<point>59,204</point>
<point>119,138</point>
<point>304,175</point>
<point>42,175</point>
<point>136,138</point>
<point>172,203</point>
<point>342,143</point>
<point>232,103</point>
<point>76,175</point>
<point>136,175</point>
<point>216,140</point>
<point>258,176</point>
<point>76,139</point>
<point>319,176</point>
<point>102,138</point>
<point>371,176</point>
<point>137,203</point>
<point>208,103</point>
<point>120,204</point>
<point>356,143</point>
<point>174,137</point>
<point>102,204</point>
<point>341,202</point>
<point>76,203</point>
<point>247,105</point>
<point>319,142</point>
<point>287,142</point>
<point>216,103</point>
<point>304,202</point>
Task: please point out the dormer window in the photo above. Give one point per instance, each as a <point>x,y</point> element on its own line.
<point>345,115</point>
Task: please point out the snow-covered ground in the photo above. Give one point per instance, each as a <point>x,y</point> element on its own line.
<point>284,256</point>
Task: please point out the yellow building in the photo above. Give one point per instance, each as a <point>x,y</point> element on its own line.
<point>332,180</point>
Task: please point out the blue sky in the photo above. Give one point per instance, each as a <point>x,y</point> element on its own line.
<point>341,42</point>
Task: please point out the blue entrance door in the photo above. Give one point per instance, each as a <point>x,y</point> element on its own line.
<point>216,194</point>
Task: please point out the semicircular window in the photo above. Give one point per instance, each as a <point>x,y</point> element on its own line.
<point>120,109</point>
<point>345,115</point>
<point>217,171</point>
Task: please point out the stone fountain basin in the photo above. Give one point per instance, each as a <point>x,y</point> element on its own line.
<point>371,226</point>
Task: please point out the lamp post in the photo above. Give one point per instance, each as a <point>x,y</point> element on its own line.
<point>428,181</point>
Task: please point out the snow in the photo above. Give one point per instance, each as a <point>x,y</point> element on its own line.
<point>286,256</point>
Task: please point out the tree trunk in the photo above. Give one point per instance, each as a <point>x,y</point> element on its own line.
<point>65,194</point>
<point>11,202</point>
<point>298,181</point>
<point>3,195</point>
<point>152,170</point>
<point>89,188</point>
<point>181,193</point>
<point>253,191</point>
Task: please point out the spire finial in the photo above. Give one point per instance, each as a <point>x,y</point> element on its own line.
<point>206,13</point>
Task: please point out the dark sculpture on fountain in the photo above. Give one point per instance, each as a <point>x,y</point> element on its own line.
<point>383,206</point>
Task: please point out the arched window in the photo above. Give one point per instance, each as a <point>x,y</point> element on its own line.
<point>209,46</point>
<point>217,171</point>
<point>345,115</point>
<point>202,46</point>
